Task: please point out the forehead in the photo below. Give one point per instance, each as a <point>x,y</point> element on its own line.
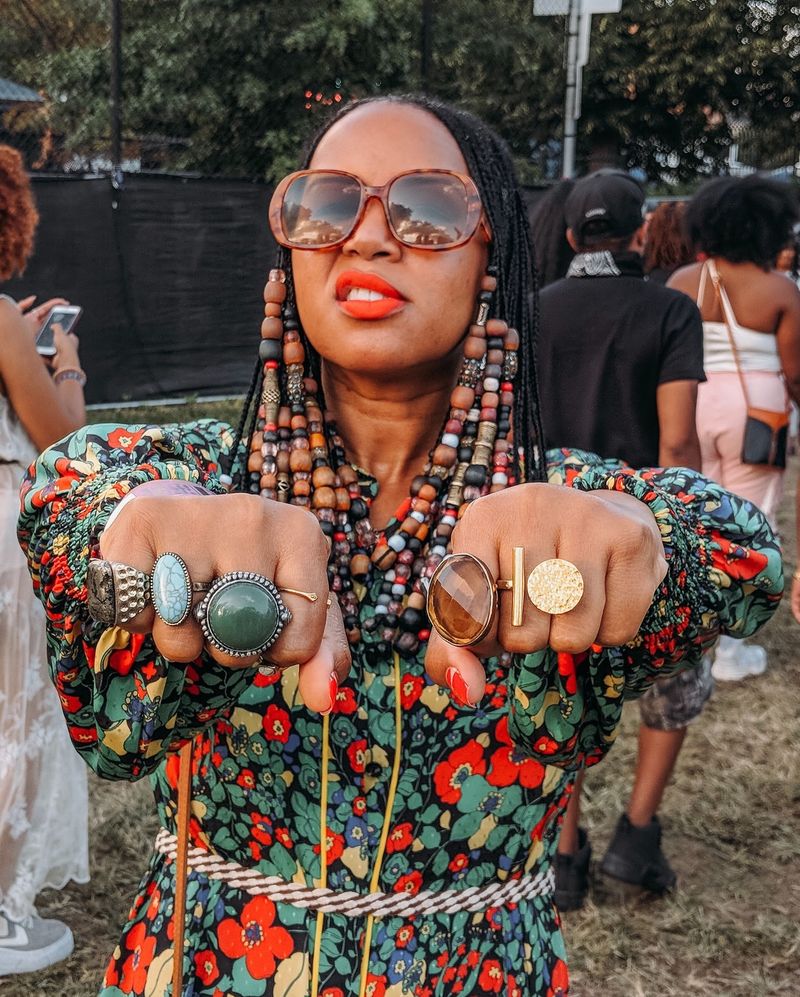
<point>380,140</point>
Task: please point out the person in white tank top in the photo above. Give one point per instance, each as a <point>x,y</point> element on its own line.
<point>43,785</point>
<point>739,226</point>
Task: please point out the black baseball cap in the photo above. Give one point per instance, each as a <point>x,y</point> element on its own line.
<point>607,204</point>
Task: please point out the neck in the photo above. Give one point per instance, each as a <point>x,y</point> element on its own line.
<point>389,427</point>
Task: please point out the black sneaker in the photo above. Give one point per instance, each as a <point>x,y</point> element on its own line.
<point>635,857</point>
<point>572,875</point>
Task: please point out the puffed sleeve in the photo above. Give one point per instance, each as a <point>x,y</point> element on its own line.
<point>124,704</point>
<point>724,576</point>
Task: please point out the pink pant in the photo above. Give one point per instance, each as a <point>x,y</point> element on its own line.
<point>721,413</point>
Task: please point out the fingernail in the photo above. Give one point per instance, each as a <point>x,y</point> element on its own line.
<point>459,690</point>
<point>333,691</point>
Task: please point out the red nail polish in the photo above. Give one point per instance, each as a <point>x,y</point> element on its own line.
<point>333,692</point>
<point>459,690</point>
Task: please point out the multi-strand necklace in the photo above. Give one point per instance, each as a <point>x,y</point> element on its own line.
<point>296,455</point>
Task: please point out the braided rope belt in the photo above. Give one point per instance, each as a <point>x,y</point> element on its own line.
<point>472,899</point>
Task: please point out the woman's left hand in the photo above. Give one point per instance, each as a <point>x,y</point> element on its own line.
<point>611,537</point>
<point>36,314</point>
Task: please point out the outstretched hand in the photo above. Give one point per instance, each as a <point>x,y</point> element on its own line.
<point>611,537</point>
<point>215,534</point>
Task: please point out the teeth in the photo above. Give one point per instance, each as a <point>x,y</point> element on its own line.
<point>363,294</point>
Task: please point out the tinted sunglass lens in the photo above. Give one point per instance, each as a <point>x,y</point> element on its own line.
<point>428,209</point>
<point>319,209</point>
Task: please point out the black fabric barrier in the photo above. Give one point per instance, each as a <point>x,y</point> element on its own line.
<point>169,271</point>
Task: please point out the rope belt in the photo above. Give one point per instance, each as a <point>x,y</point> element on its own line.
<point>472,899</point>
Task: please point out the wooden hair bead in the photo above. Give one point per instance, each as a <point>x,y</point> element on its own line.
<point>323,476</point>
<point>512,340</point>
<point>342,499</point>
<point>293,353</point>
<point>495,357</point>
<point>300,460</point>
<point>427,493</point>
<point>272,310</point>
<point>462,397</point>
<point>323,498</point>
<point>275,292</point>
<point>474,348</point>
<point>488,283</point>
<point>496,327</point>
<point>300,487</point>
<point>254,462</point>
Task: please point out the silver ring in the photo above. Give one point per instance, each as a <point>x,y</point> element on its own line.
<point>115,593</point>
<point>242,614</point>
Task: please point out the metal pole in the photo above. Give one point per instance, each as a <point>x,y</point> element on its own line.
<point>116,84</point>
<point>570,121</point>
<point>425,67</point>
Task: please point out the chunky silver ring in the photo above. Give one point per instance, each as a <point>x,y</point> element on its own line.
<point>242,614</point>
<point>115,593</point>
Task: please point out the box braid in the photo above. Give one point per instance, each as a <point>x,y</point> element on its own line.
<point>511,259</point>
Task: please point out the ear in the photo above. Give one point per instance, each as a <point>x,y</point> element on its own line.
<point>573,242</point>
<point>638,239</point>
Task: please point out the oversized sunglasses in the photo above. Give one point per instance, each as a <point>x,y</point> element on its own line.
<point>425,209</point>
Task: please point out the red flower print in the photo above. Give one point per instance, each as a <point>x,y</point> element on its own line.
<point>509,765</point>
<point>253,937</point>
<point>282,835</point>
<point>514,989</point>
<point>357,753</point>
<point>134,969</point>
<point>360,806</point>
<point>545,746</point>
<point>345,700</point>
<point>410,883</point>
<point>246,779</point>
<point>411,687</point>
<point>332,992</point>
<point>400,837</point>
<point>334,845</point>
<point>491,977</point>
<point>736,561</point>
<point>276,723</point>
<point>449,775</point>
<point>404,936</point>
<point>255,850</point>
<point>124,439</point>
<point>83,735</point>
<point>559,980</point>
<point>459,863</point>
<point>205,966</point>
<point>262,828</point>
<point>376,986</point>
<point>567,664</point>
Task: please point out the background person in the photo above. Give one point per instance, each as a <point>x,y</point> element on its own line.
<point>666,244</point>
<point>549,231</point>
<point>43,795</point>
<point>741,225</point>
<point>624,358</point>
<point>357,771</point>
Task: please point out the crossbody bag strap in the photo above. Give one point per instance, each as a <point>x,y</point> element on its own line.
<point>181,864</point>
<point>725,307</point>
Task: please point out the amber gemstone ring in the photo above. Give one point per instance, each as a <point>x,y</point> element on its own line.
<point>462,595</point>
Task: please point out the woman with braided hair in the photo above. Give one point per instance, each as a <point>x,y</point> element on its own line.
<point>468,614</point>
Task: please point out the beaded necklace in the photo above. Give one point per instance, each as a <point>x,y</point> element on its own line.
<point>296,455</point>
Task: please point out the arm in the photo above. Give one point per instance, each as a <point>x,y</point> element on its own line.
<point>788,334</point>
<point>124,703</point>
<point>678,444</point>
<point>46,410</point>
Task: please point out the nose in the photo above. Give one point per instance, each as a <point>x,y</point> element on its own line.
<point>372,236</point>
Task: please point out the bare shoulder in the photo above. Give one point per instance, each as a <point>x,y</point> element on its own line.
<point>686,279</point>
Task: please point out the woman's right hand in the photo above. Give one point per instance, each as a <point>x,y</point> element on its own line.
<point>215,534</point>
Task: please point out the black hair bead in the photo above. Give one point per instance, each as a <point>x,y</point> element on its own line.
<point>270,349</point>
<point>475,475</point>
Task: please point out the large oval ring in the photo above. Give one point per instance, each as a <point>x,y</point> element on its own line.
<point>462,599</point>
<point>115,593</point>
<point>242,614</point>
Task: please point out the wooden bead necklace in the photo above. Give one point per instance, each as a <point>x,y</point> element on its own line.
<point>296,455</point>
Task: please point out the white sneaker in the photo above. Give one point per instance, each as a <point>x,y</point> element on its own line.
<point>734,660</point>
<point>33,944</point>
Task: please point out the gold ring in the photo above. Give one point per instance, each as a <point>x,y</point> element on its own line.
<point>555,586</point>
<point>310,596</point>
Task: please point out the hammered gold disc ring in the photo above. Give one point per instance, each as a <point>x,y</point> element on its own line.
<point>555,586</point>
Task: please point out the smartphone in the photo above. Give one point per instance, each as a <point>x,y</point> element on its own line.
<point>64,315</point>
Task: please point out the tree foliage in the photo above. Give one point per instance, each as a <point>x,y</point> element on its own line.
<point>237,86</point>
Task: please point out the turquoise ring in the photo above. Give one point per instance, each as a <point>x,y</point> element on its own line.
<point>242,614</point>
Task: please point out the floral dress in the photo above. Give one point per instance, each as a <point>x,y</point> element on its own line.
<point>477,793</point>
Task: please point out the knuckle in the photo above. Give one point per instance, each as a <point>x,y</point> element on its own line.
<point>569,640</point>
<point>523,640</point>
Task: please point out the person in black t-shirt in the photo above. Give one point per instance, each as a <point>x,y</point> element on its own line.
<point>624,357</point>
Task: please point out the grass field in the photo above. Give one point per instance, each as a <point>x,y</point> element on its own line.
<point>732,831</point>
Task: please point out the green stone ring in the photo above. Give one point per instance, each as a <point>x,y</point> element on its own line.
<point>242,614</point>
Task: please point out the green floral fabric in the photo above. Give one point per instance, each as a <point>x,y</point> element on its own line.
<point>480,792</point>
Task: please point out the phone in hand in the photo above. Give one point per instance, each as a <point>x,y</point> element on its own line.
<point>64,315</point>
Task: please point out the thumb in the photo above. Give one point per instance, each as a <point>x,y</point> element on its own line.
<point>457,668</point>
<point>319,677</point>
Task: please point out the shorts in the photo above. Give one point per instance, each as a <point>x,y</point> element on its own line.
<point>673,703</point>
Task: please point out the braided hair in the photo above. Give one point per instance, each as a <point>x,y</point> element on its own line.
<point>510,259</point>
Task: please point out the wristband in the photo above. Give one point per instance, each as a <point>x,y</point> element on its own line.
<point>70,374</point>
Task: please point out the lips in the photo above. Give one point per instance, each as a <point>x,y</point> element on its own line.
<point>367,296</point>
